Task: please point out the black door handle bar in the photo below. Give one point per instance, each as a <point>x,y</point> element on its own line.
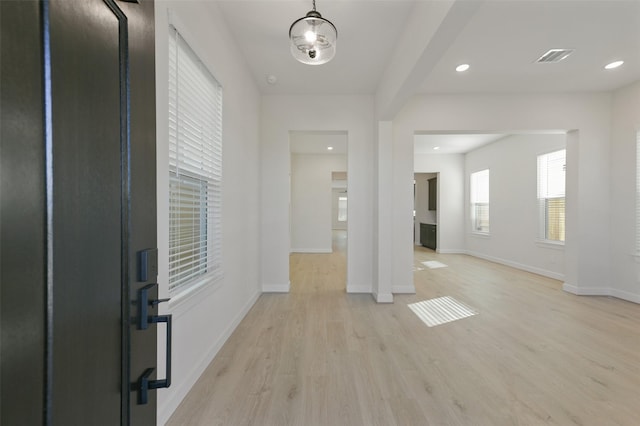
<point>144,319</point>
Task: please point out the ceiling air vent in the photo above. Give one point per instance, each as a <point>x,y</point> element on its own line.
<point>554,55</point>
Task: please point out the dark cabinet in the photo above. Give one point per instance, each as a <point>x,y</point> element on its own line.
<point>433,193</point>
<point>428,235</point>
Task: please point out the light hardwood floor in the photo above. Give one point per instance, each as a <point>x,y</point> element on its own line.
<point>534,355</point>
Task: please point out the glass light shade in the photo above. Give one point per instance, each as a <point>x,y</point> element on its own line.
<point>313,39</point>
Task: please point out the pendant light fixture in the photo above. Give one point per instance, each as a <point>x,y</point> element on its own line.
<point>313,38</point>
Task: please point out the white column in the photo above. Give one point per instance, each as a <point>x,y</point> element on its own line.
<point>402,210</point>
<point>384,219</point>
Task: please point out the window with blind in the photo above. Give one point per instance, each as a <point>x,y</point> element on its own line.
<point>342,209</point>
<point>195,170</point>
<point>479,190</point>
<point>551,195</point>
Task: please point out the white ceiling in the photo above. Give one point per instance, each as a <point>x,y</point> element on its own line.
<point>367,32</point>
<point>501,41</point>
<point>452,143</point>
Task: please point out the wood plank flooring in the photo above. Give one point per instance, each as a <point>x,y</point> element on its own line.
<point>534,355</point>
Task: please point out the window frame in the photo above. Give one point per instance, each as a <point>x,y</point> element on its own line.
<point>195,154</point>
<point>544,198</point>
<point>475,204</point>
<point>343,211</point>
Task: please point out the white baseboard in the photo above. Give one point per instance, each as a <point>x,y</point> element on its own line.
<point>169,406</point>
<point>311,250</point>
<point>403,289</point>
<point>601,291</point>
<point>276,288</point>
<point>383,297</point>
<point>451,251</point>
<point>356,288</point>
<point>586,291</point>
<point>523,267</point>
<point>570,288</point>
<point>625,295</point>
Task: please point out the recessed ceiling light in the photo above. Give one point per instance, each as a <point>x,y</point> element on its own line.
<point>613,65</point>
<point>462,67</point>
<point>436,147</point>
<point>330,148</point>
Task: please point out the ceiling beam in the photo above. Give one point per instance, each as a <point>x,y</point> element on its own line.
<point>429,32</point>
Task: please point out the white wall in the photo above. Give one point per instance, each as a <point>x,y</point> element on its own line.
<point>203,322</point>
<point>513,209</point>
<point>625,125</point>
<point>450,213</point>
<point>587,271</point>
<point>311,201</point>
<point>281,114</point>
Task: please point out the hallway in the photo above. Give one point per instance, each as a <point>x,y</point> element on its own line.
<point>318,356</point>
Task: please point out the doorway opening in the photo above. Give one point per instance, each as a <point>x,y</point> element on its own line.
<point>500,196</point>
<point>318,203</point>
<point>339,211</point>
<point>425,209</point>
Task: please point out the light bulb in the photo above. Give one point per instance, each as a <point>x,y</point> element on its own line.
<point>310,36</point>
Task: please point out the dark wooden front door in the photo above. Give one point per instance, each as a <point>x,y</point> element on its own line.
<point>91,77</point>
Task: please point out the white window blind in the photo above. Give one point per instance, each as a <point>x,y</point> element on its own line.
<point>195,170</point>
<point>480,201</point>
<point>638,193</point>
<point>551,195</point>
